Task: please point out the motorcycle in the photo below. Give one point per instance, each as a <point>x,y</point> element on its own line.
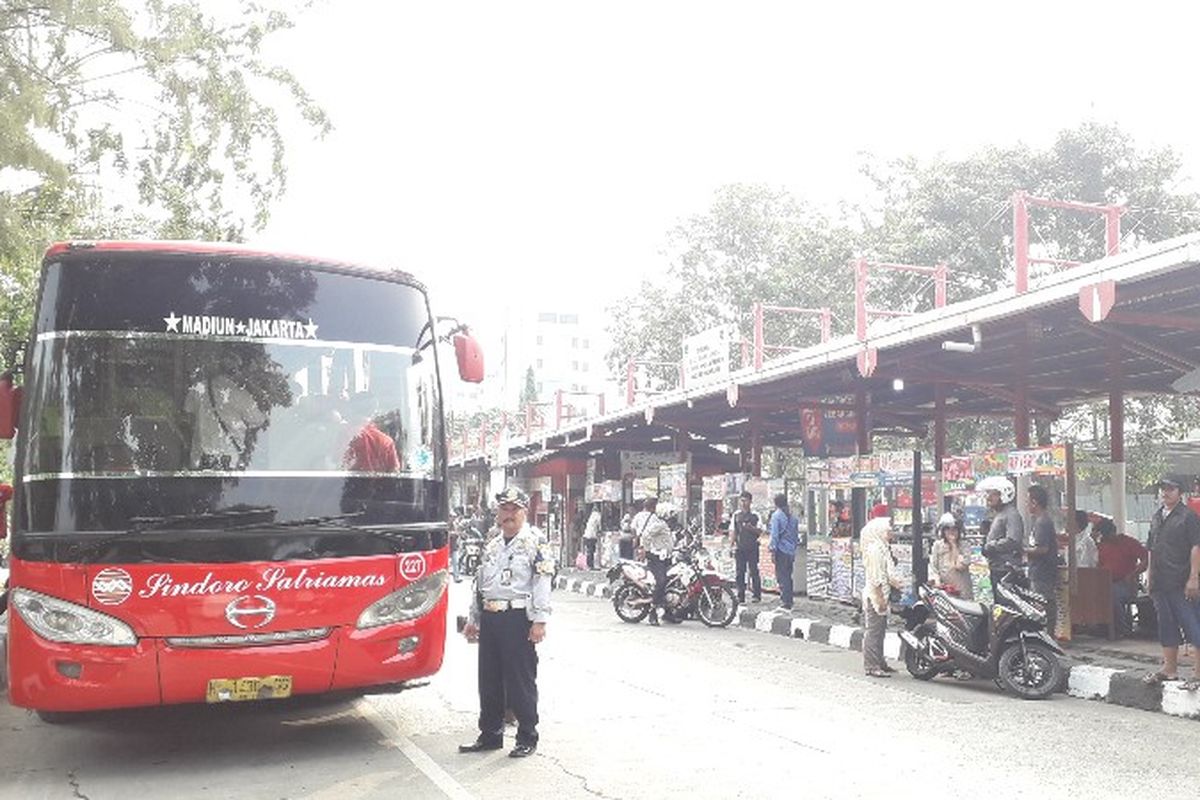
<point>470,552</point>
<point>1006,642</point>
<point>693,589</point>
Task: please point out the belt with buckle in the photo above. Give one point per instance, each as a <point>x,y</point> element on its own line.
<point>502,605</point>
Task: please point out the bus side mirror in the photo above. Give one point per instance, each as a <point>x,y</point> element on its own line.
<point>470,358</point>
<point>10,406</point>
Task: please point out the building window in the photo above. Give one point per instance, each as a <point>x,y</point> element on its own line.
<point>539,363</point>
<point>585,366</point>
<point>585,344</point>
<point>575,366</point>
<point>568,319</point>
<point>547,317</point>
<point>539,387</point>
<point>574,342</point>
<point>539,339</point>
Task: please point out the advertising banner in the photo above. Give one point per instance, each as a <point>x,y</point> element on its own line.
<point>713,487</point>
<point>706,355</point>
<point>818,567</point>
<point>645,487</point>
<point>673,482</point>
<point>828,432</point>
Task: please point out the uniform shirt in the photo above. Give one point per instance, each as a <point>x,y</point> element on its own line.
<point>1005,538</point>
<point>519,568</point>
<point>1172,537</point>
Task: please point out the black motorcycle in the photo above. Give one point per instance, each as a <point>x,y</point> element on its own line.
<point>470,552</point>
<point>1006,642</point>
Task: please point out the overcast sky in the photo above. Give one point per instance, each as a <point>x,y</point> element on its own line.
<point>505,150</point>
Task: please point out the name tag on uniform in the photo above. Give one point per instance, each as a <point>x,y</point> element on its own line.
<point>506,577</point>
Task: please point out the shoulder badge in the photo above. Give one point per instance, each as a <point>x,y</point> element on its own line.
<point>543,562</point>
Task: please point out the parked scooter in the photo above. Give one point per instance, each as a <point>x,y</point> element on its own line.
<point>1006,642</point>
<point>693,589</point>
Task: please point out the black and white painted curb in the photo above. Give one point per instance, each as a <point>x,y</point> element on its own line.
<point>1119,687</point>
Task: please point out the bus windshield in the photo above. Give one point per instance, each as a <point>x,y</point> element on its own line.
<point>166,385</point>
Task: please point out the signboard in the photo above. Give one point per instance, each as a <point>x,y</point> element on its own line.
<point>604,492</point>
<point>706,355</point>
<point>643,465</point>
<point>1039,461</point>
<point>828,432</point>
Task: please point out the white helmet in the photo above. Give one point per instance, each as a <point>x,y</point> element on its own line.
<point>948,520</point>
<point>998,483</point>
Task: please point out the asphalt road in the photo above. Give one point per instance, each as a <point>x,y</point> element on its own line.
<point>628,711</point>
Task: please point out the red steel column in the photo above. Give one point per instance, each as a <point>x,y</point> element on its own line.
<point>758,336</point>
<point>1021,241</point>
<point>860,299</point>
<point>1112,230</point>
<point>629,384</point>
<point>826,325</point>
<point>939,286</point>
<point>1116,423</point>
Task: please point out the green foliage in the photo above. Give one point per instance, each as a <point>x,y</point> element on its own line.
<point>756,243</point>
<point>149,119</point>
<point>529,392</point>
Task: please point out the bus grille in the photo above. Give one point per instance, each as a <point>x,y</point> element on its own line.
<point>250,639</point>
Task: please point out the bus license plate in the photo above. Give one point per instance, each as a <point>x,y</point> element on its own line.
<point>269,687</point>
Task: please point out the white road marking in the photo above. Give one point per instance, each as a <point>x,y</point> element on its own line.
<point>419,758</point>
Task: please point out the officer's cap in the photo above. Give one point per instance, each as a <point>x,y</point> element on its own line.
<point>513,496</point>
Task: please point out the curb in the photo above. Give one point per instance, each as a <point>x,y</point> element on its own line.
<point>1084,681</point>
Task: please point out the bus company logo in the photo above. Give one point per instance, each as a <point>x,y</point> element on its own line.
<point>412,566</point>
<point>210,325</point>
<point>250,611</point>
<point>112,586</point>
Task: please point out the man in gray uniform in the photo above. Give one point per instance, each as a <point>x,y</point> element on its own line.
<point>1006,537</point>
<point>509,610</point>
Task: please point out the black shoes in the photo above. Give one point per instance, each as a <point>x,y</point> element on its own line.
<point>653,617</point>
<point>481,745</point>
<point>522,750</point>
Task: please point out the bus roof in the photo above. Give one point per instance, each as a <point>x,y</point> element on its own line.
<point>236,249</point>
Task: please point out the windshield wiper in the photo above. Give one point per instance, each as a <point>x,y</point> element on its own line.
<point>165,522</point>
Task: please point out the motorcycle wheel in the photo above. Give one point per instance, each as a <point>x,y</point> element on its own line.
<point>1033,676</point>
<point>627,612</point>
<point>717,606</point>
<point>917,662</point>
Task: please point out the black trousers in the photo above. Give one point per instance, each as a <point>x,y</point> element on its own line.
<point>589,547</point>
<point>507,674</point>
<point>658,568</point>
<point>747,560</point>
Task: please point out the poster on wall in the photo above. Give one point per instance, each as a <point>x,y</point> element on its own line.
<point>827,432</point>
<point>818,567</point>
<point>643,465</point>
<point>673,483</point>
<point>841,569</point>
<point>645,487</point>
<point>713,487</point>
<point>766,565</point>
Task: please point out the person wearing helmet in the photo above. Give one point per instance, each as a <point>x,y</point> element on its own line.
<point>1005,543</point>
<point>949,557</point>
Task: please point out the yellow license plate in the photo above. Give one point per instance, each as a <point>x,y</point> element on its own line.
<point>269,687</point>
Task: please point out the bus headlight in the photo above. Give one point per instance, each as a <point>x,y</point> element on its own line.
<point>60,621</point>
<point>411,602</point>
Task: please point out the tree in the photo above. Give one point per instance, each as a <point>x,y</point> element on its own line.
<point>529,392</point>
<point>756,243</point>
<point>160,113</point>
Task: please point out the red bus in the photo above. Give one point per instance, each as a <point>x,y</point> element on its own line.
<point>230,479</point>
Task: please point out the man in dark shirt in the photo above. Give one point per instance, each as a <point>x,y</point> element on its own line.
<point>1173,578</point>
<point>745,530</point>
<point>1042,553</point>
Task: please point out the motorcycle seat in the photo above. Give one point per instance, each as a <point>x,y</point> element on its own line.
<point>968,607</point>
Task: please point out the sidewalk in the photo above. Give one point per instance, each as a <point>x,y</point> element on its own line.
<point>1097,669</point>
